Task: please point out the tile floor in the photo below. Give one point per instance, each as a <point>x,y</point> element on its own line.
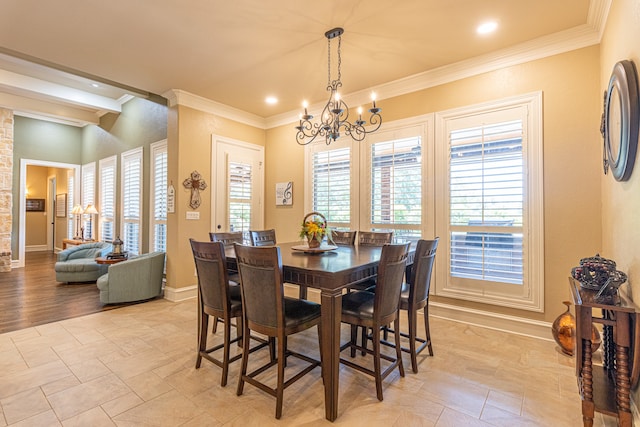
<point>135,367</point>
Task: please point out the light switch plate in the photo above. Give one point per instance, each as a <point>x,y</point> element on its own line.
<point>193,215</point>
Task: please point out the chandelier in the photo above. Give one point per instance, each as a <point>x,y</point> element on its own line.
<point>335,115</point>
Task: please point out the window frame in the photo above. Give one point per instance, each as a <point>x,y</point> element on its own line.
<point>103,165</point>
<point>529,295</point>
<point>156,148</point>
<point>88,195</point>
<point>126,157</point>
<point>71,192</point>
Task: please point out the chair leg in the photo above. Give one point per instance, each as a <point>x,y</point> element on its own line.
<point>320,348</point>
<point>376,363</point>
<point>364,340</point>
<point>202,337</point>
<point>354,340</point>
<point>396,327</point>
<point>413,323</point>
<point>280,387</point>
<point>426,328</point>
<point>239,330</point>
<point>225,353</point>
<point>245,360</point>
<point>214,327</point>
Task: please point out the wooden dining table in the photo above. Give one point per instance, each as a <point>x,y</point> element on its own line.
<point>331,272</point>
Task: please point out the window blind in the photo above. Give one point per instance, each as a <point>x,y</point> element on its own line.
<point>159,196</point>
<point>131,200</point>
<point>332,185</point>
<point>239,193</point>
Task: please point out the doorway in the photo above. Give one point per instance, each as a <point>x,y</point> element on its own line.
<point>238,170</point>
<point>22,198</point>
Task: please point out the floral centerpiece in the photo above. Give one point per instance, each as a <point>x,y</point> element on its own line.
<point>314,229</point>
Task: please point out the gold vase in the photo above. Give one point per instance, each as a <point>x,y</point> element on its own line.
<point>564,330</point>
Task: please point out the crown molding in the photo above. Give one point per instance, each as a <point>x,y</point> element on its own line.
<point>181,97</point>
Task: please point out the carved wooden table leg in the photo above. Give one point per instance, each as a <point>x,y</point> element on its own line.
<point>587,385</point>
<point>623,385</point>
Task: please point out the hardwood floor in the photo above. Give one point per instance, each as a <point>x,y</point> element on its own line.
<point>31,296</point>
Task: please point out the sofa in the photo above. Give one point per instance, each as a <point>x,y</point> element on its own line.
<point>138,278</point>
<point>78,263</point>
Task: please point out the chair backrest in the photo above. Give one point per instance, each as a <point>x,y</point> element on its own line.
<point>420,276</point>
<point>374,238</point>
<point>227,239</point>
<point>347,238</point>
<point>262,287</point>
<point>213,282</point>
<point>263,237</point>
<point>393,261</point>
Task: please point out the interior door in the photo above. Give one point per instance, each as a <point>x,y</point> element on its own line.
<point>239,176</point>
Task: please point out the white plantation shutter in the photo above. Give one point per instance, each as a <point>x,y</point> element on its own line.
<point>158,232</point>
<point>240,192</point>
<point>88,197</point>
<point>131,200</point>
<point>394,169</point>
<point>71,220</point>
<point>331,185</point>
<point>486,194</point>
<point>107,207</point>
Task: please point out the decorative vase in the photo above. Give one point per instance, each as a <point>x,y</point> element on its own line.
<point>564,332</point>
<point>313,243</point>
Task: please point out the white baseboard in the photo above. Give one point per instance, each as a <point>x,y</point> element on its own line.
<point>180,294</point>
<point>36,248</point>
<point>15,263</point>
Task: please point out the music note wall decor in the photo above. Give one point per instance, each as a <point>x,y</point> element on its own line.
<point>284,193</point>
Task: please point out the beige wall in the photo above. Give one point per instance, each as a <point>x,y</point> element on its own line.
<point>189,147</point>
<point>572,161</point>
<point>621,200</point>
<point>36,222</point>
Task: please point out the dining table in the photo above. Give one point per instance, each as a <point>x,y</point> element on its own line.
<point>330,269</point>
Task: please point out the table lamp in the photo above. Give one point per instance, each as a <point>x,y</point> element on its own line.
<point>77,211</point>
<point>91,210</point>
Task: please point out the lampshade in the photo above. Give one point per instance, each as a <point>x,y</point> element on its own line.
<point>90,209</point>
<point>77,210</point>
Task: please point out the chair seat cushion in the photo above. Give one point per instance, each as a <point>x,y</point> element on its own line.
<point>299,311</point>
<point>404,292</point>
<point>234,292</point>
<point>77,265</point>
<point>358,304</point>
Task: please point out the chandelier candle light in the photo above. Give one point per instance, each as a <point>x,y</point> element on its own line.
<point>335,115</point>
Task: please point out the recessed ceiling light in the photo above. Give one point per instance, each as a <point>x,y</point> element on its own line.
<point>487,27</point>
<point>271,100</point>
<point>95,85</point>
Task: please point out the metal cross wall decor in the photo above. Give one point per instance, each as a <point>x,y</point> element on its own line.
<point>195,184</point>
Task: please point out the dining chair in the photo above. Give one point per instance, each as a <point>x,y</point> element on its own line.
<point>263,237</point>
<point>227,239</point>
<point>375,238</point>
<point>346,238</point>
<point>376,310</point>
<point>267,311</point>
<point>415,295</point>
<point>216,298</point>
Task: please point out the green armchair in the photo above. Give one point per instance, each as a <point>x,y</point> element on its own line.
<point>78,263</point>
<point>136,279</point>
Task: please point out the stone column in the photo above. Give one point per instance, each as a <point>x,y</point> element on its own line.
<point>6,173</point>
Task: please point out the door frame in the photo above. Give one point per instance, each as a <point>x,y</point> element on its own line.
<point>23,199</point>
<point>215,140</point>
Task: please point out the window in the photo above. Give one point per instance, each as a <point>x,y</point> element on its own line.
<point>107,192</point>
<point>240,190</point>
<point>394,172</point>
<point>131,191</point>
<point>158,201</point>
<point>71,218</point>
<point>331,176</point>
<point>492,200</point>
<point>88,197</point>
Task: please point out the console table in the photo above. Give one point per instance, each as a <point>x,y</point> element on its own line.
<point>606,388</point>
<point>73,242</point>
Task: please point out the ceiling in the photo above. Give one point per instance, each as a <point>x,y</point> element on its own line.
<point>236,53</point>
